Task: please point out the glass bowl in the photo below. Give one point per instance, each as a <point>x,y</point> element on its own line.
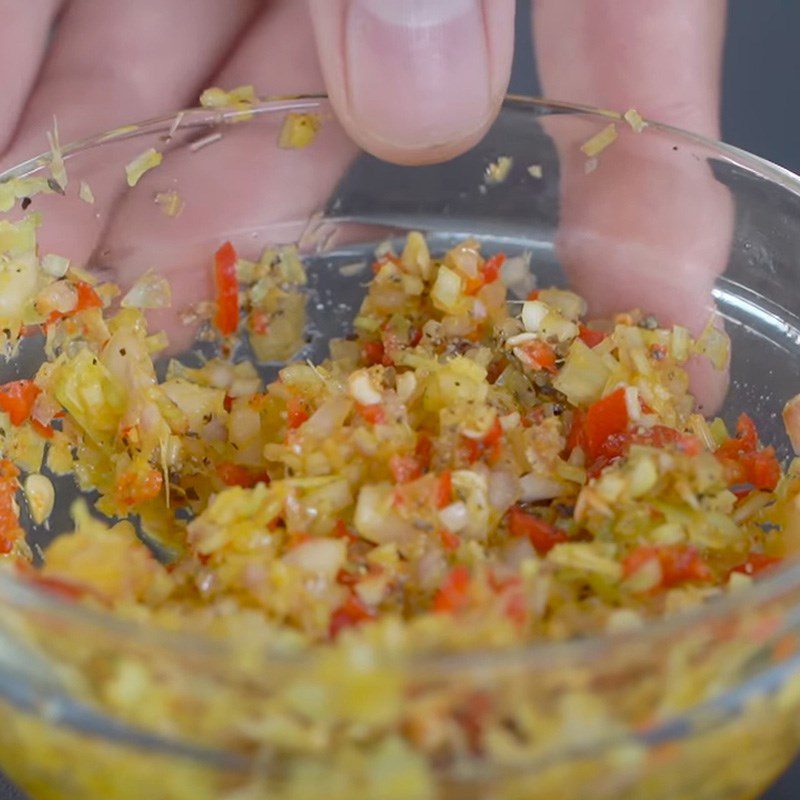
<point>703,704</point>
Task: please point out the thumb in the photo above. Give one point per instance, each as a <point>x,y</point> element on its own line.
<point>415,81</point>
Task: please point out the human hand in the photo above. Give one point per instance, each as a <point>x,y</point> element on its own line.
<point>411,80</point>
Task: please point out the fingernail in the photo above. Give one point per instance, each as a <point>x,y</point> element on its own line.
<point>418,71</point>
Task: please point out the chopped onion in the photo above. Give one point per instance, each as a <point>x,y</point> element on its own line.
<point>431,569</point>
<point>517,276</point>
<point>520,339</point>
<point>323,556</point>
<point>446,291</point>
<point>568,304</point>
<point>150,291</point>
<point>328,417</point>
<point>55,266</point>
<point>375,518</point>
<point>362,389</point>
<point>454,517</point>
<point>406,385</point>
<point>244,424</point>
<point>632,403</point>
<point>59,296</point>
<point>535,487</point>
<point>583,376</point>
<point>533,313</point>
<point>519,551</point>
<point>504,489</point>
<point>40,494</point>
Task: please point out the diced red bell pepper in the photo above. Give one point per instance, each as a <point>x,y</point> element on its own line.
<point>488,273</point>
<point>679,564</point>
<point>605,418</point>
<point>10,530</point>
<point>444,489</point>
<point>539,355</point>
<point>87,298</point>
<point>404,468</point>
<point>227,285</point>
<point>238,475</point>
<point>451,596</point>
<point>492,266</point>
<point>589,336</point>
<point>45,431</point>
<point>489,445</point>
<point>745,441</point>
<point>133,487</point>
<point>450,541</point>
<point>351,612</point>
<point>372,353</point>
<point>424,450</point>
<point>341,531</point>
<point>761,468</point>
<point>744,462</point>
<point>496,369</point>
<point>373,414</point>
<point>756,563</point>
<point>294,540</point>
<point>543,536</point>
<point>17,399</point>
<point>296,412</point>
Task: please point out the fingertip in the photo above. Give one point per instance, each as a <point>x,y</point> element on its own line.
<point>415,81</point>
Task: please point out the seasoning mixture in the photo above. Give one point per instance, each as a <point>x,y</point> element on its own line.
<point>464,469</point>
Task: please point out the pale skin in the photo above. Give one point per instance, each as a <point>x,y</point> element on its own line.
<point>112,61</point>
<point>412,81</point>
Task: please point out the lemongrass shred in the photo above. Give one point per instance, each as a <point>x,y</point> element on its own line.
<point>240,97</point>
<point>498,170</point>
<point>85,193</point>
<point>634,119</point>
<point>298,131</point>
<point>199,144</point>
<point>144,162</point>
<point>600,141</point>
<point>535,171</point>
<point>57,168</point>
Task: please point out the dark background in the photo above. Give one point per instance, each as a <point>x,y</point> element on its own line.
<point>762,66</point>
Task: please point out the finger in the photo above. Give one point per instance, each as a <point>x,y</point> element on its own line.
<point>25,30</point>
<point>113,62</point>
<point>661,56</point>
<point>242,187</point>
<point>650,227</point>
<point>277,53</point>
<point>415,81</point>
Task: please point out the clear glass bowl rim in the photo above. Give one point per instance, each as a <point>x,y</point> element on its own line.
<point>24,595</point>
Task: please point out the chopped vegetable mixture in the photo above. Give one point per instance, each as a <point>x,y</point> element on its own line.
<point>465,469</point>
